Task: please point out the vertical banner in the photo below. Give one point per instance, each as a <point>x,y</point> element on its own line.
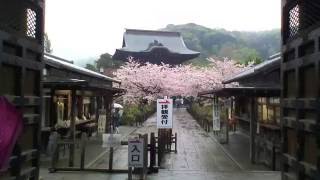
<point>164,113</point>
<point>216,114</point>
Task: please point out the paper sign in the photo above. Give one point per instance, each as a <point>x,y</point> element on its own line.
<point>135,153</point>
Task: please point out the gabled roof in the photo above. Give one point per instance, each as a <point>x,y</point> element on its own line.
<point>61,63</point>
<point>272,62</point>
<point>147,42</point>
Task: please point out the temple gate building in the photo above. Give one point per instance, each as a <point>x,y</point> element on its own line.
<point>154,47</point>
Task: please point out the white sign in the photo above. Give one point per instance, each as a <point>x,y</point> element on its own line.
<point>111,140</point>
<point>216,115</point>
<point>164,113</point>
<point>135,153</point>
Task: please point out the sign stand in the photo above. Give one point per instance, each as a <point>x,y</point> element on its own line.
<point>164,125</point>
<point>138,156</point>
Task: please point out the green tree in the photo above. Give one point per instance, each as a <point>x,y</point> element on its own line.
<point>240,45</point>
<point>245,55</point>
<point>106,61</point>
<point>91,67</point>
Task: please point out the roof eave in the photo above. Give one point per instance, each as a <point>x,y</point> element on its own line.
<point>87,72</point>
<point>275,63</point>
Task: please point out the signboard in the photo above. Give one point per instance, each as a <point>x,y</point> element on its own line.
<point>216,115</point>
<point>111,140</point>
<point>164,113</point>
<point>135,152</point>
<point>102,123</point>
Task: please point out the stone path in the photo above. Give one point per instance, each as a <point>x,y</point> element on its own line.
<point>199,157</point>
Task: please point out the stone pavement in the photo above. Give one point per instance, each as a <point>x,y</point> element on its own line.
<point>94,152</point>
<point>199,156</point>
<point>238,149</point>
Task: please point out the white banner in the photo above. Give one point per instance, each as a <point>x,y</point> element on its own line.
<point>164,113</point>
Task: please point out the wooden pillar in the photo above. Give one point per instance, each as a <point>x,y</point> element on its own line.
<point>97,107</point>
<point>107,104</point>
<point>227,125</point>
<point>80,105</point>
<point>53,109</point>
<point>252,129</point>
<point>232,112</point>
<point>72,127</point>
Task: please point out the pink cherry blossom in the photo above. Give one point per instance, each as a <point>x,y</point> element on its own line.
<point>151,81</point>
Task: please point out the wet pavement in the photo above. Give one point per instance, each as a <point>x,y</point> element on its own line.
<point>238,149</point>
<point>199,156</point>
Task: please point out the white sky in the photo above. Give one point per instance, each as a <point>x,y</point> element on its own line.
<point>80,29</point>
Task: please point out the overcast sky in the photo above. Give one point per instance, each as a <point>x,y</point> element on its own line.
<point>80,29</point>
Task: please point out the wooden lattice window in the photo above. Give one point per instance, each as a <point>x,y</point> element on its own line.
<point>31,23</point>
<point>20,17</point>
<point>299,16</point>
<point>294,21</point>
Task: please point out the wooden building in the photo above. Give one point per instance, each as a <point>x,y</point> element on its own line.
<point>154,47</point>
<point>255,108</point>
<point>21,63</point>
<point>74,98</point>
<point>300,83</point>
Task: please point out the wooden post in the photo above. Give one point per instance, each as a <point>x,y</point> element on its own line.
<point>231,115</point>
<point>152,151</point>
<point>130,173</point>
<point>111,159</point>
<point>252,130</point>
<point>97,107</point>
<point>176,143</point>
<point>83,149</point>
<point>145,158</point>
<point>107,104</point>
<point>53,110</point>
<point>273,157</point>
<point>227,126</point>
<point>72,128</point>
<point>159,147</point>
<point>55,151</point>
<point>16,170</point>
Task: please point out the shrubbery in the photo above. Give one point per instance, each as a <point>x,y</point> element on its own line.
<point>133,113</point>
<point>202,113</point>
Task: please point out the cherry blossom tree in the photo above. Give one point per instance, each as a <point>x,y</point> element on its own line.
<point>151,80</point>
